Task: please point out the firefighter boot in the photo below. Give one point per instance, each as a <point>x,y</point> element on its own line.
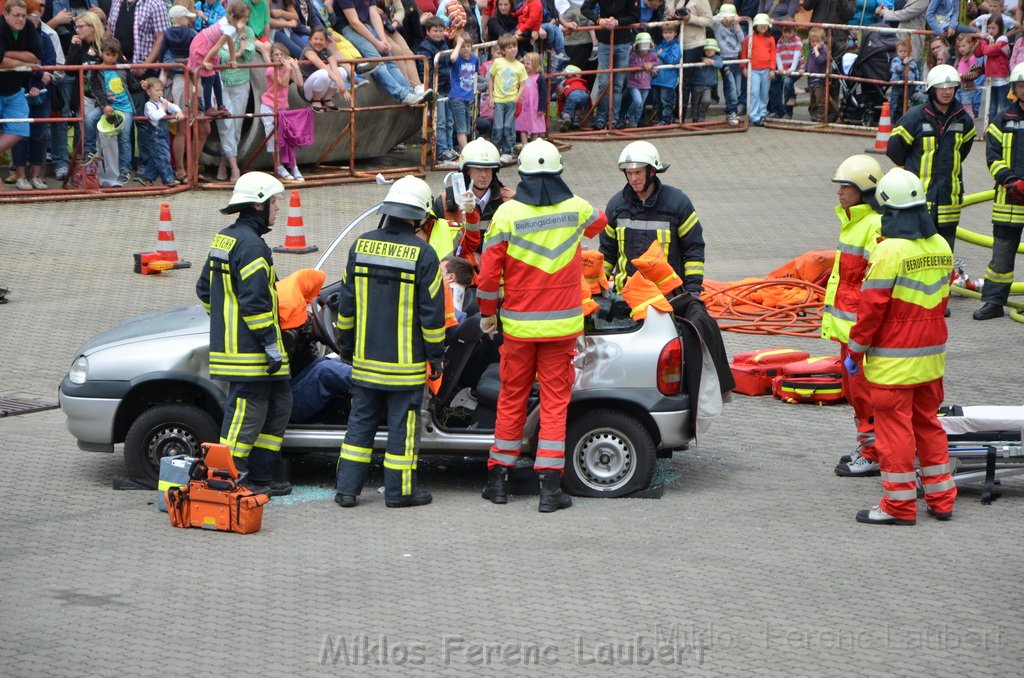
<point>497,485</point>
<point>551,496</point>
<point>988,311</point>
<point>395,482</point>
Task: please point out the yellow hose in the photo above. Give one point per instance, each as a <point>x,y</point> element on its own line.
<point>1015,306</point>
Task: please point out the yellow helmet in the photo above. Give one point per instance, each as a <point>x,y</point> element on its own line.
<point>727,10</point>
<point>762,19</point>
<point>859,170</point>
<point>712,44</point>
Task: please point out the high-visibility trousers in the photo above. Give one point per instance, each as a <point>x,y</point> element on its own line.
<point>857,390</point>
<point>369,407</point>
<point>905,421</point>
<point>522,362</point>
<point>254,424</point>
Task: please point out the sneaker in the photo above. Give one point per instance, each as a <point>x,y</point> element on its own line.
<point>412,98</point>
<point>733,119</point>
<point>143,182</point>
<point>124,177</point>
<point>940,515</point>
<point>61,173</point>
<point>346,500</point>
<point>876,516</point>
<point>283,173</point>
<point>506,159</point>
<point>561,56</point>
<point>360,81</point>
<point>296,174</point>
<point>419,89</point>
<point>593,55</point>
<point>23,184</point>
<point>858,467</point>
<point>450,155</point>
<point>38,184</point>
<point>365,68</point>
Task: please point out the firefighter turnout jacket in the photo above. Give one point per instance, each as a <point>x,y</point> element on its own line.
<point>535,252</point>
<point>934,146</point>
<point>1004,153</point>
<point>391,308</point>
<point>666,216</point>
<point>858,235</point>
<point>900,327</point>
<point>237,288</point>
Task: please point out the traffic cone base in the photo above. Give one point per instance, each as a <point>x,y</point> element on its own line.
<point>165,246</point>
<point>884,129</point>
<point>295,236</point>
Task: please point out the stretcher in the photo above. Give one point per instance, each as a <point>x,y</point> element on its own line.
<point>984,443</point>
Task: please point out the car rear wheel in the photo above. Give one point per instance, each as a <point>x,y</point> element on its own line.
<point>163,431</point>
<point>608,454</point>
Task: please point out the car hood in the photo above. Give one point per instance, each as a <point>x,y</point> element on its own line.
<point>171,323</point>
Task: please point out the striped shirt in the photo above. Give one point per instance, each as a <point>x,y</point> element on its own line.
<point>788,51</point>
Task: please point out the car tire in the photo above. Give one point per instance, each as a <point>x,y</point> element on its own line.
<point>607,454</point>
<point>162,431</point>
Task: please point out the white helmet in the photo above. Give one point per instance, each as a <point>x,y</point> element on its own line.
<point>727,10</point>
<point>480,153</point>
<point>943,75</point>
<point>859,170</point>
<point>640,154</point>
<point>540,157</point>
<point>1017,74</point>
<point>408,198</point>
<point>252,188</point>
<point>900,189</point>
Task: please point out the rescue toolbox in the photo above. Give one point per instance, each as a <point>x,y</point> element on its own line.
<point>754,371</point>
<point>814,380</point>
<point>213,498</point>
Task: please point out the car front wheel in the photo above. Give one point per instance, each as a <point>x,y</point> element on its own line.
<point>608,454</point>
<point>162,431</point>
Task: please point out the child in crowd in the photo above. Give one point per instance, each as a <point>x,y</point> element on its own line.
<point>730,40</point>
<point>209,13</point>
<point>204,52</point>
<point>322,78</point>
<point>817,63</point>
<point>573,98</point>
<point>529,17</point>
<point>433,43</point>
<point>971,70</point>
<point>485,116</point>
<point>995,47</point>
<point>782,92</point>
<point>638,83</point>
<point>283,71</point>
<point>760,49</point>
<point>237,85</point>
<point>531,121</point>
<point>705,79</point>
<point>178,38</point>
<point>506,81</point>
<point>463,79</point>
<point>156,136</point>
<point>903,67</point>
<point>664,84</point>
<point>112,87</point>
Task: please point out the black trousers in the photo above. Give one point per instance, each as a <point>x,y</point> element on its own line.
<point>255,422</point>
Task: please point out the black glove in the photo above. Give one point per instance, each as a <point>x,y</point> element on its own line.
<point>435,371</point>
<point>1015,192</point>
<point>274,358</point>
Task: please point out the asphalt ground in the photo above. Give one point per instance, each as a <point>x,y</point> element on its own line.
<point>750,564</point>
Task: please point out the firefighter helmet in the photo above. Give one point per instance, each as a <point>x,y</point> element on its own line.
<point>712,44</point>
<point>943,75</point>
<point>408,198</point>
<point>643,38</point>
<point>762,19</point>
<point>859,170</point>
<point>727,10</point>
<point>639,154</point>
<point>111,125</point>
<point>900,189</point>
<point>540,157</point>
<point>572,68</point>
<point>252,188</point>
<point>1017,74</point>
<point>480,153</point>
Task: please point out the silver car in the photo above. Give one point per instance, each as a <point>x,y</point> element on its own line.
<point>145,383</point>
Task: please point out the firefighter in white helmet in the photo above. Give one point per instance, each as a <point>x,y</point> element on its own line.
<point>391,326</point>
<point>1005,161</point>
<point>860,221</point>
<point>237,288</point>
<point>932,140</point>
<point>647,210</point>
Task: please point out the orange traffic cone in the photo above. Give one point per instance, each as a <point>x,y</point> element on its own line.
<point>295,232</point>
<point>884,128</point>
<point>165,246</point>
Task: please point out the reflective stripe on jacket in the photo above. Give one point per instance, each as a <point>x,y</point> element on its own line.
<point>900,325</point>
<point>858,235</point>
<point>535,252</point>
<point>237,288</point>
<point>1005,157</point>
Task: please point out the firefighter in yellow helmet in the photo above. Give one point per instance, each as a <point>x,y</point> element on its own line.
<point>391,327</point>
<point>237,289</point>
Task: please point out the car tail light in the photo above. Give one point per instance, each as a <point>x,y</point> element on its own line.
<point>670,368</point>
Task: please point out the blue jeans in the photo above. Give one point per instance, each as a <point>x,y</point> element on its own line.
<point>997,100</point>
<point>732,83</point>
<point>314,387</point>
<point>124,138</point>
<point>503,133</point>
<point>635,112</point>
<point>576,103</point>
<point>442,127</point>
<point>157,141</point>
<point>461,116</point>
<point>59,130</point>
<point>605,59</point>
<point>555,40</point>
<point>294,42</point>
<point>758,95</point>
<point>969,98</point>
<point>664,100</point>
<point>386,74</point>
<point>32,151</point>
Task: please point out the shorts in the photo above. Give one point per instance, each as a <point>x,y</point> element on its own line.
<point>460,112</point>
<point>14,106</point>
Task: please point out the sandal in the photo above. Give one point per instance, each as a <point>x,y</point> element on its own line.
<point>330,105</point>
<point>317,106</point>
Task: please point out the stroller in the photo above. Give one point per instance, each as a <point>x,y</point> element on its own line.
<point>861,103</point>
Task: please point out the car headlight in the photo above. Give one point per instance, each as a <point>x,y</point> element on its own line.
<point>79,371</point>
